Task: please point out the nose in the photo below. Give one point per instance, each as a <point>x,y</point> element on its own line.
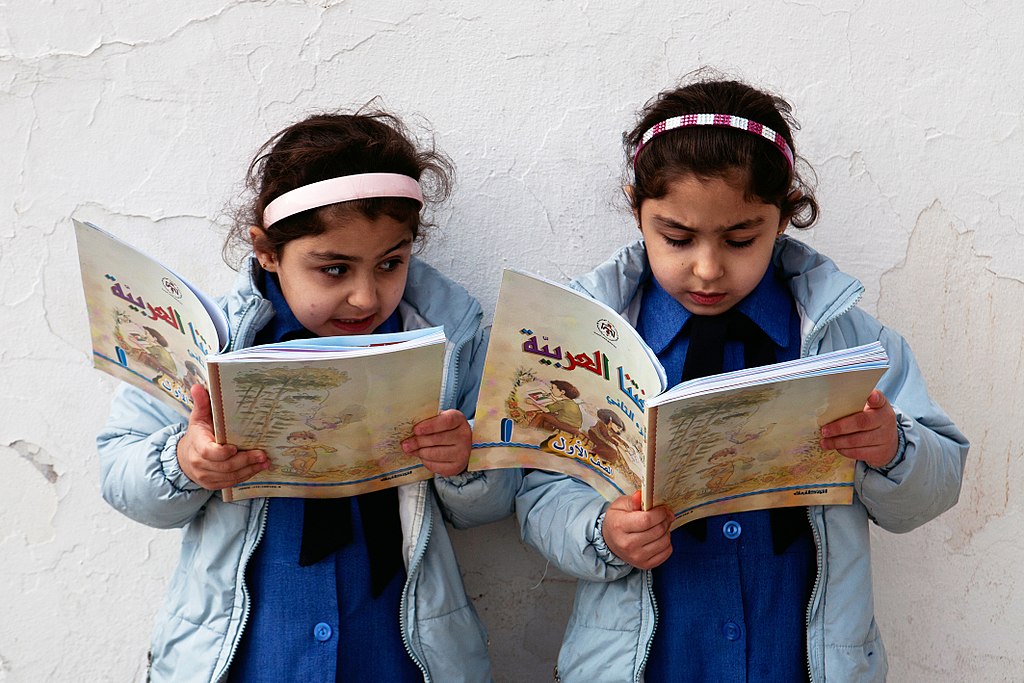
<point>707,265</point>
<point>363,294</point>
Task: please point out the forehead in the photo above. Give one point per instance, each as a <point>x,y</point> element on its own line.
<point>707,203</point>
<point>356,237</point>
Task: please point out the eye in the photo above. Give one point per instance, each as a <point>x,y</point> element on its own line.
<point>334,271</point>
<point>685,242</point>
<point>740,244</point>
<point>391,265</point>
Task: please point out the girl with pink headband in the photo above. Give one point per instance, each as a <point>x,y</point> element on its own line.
<point>354,589</point>
<point>715,284</point>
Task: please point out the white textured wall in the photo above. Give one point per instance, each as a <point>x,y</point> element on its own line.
<point>118,111</point>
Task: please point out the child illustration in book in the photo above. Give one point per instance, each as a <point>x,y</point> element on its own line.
<point>605,435</point>
<point>146,345</point>
<point>303,451</point>
<point>560,412</point>
<point>359,588</point>
<point>716,284</point>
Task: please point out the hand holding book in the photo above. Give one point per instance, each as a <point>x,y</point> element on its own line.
<point>870,435</point>
<point>209,464</point>
<point>637,536</point>
<point>442,442</point>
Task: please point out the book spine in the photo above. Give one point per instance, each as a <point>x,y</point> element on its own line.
<point>216,403</point>
<point>647,490</point>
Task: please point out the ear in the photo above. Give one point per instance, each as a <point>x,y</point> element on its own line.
<point>791,199</point>
<point>628,191</point>
<point>261,247</point>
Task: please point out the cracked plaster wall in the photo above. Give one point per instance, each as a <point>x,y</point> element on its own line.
<point>142,116</point>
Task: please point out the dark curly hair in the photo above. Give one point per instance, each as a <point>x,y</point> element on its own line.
<point>331,145</point>
<point>717,152</point>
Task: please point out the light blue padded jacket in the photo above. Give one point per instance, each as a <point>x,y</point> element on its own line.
<point>614,616</point>
<point>202,617</point>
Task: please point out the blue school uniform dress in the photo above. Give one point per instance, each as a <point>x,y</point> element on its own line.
<point>732,595</point>
<point>325,589</point>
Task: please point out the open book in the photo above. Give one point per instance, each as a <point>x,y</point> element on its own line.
<point>569,386</point>
<point>330,412</point>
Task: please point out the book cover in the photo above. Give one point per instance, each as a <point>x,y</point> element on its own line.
<point>149,326</point>
<point>569,386</point>
<point>330,412</point>
<point>564,387</point>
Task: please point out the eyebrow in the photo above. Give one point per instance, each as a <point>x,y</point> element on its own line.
<point>336,256</point>
<point>742,225</point>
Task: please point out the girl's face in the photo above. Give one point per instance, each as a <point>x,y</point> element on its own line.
<point>707,244</point>
<point>346,280</point>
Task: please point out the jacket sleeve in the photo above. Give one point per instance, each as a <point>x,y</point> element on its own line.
<point>474,498</point>
<point>139,471</point>
<point>562,517</point>
<point>924,481</point>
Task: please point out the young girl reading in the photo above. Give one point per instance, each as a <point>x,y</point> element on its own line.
<point>353,589</point>
<point>715,285</point>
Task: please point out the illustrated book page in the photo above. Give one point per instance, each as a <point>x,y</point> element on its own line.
<point>330,412</point>
<point>564,387</point>
<point>750,440</point>
<point>149,326</point>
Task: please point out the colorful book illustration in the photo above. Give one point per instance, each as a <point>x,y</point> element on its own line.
<point>569,386</point>
<point>331,412</point>
<point>150,327</point>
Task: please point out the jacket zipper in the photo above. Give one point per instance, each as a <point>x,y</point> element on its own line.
<point>819,558</point>
<point>413,568</point>
<point>453,362</point>
<point>233,344</point>
<point>245,593</point>
<point>819,555</point>
<point>649,583</point>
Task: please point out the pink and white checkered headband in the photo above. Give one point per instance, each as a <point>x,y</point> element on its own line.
<point>342,189</point>
<point>726,120</point>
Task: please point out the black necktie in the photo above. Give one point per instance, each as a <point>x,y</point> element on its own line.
<point>327,526</point>
<point>704,356</point>
<point>327,522</point>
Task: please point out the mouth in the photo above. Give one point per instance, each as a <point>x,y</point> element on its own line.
<point>706,298</point>
<point>354,325</point>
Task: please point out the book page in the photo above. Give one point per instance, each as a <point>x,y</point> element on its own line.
<point>149,326</point>
<point>756,447</point>
<point>564,388</point>
<point>330,427</point>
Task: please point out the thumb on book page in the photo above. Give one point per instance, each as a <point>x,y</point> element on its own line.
<point>201,415</point>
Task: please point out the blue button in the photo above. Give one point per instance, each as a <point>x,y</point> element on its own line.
<point>322,631</point>
<point>732,530</point>
<point>731,630</point>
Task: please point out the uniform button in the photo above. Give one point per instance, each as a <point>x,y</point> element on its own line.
<point>732,530</point>
<point>322,631</point>
<point>731,630</point>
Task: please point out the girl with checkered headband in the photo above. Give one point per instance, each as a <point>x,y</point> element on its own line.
<point>714,285</point>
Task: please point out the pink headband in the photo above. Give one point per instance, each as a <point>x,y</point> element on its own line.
<point>343,189</point>
<point>727,120</point>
